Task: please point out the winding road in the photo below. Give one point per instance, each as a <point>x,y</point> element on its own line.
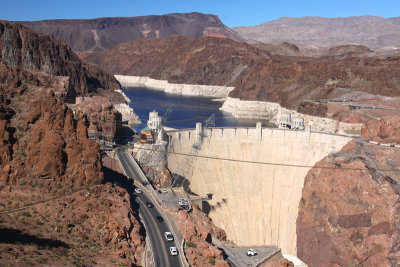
<point>154,229</point>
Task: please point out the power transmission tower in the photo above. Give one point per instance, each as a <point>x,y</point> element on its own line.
<point>184,171</point>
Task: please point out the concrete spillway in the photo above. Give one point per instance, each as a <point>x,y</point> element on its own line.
<point>255,203</point>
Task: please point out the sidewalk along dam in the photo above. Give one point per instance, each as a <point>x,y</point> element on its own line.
<point>256,192</point>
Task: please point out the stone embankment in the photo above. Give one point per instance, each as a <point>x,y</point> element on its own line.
<point>126,111</point>
<point>272,111</point>
<point>181,89</point>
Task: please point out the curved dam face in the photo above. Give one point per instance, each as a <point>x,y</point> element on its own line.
<point>255,203</point>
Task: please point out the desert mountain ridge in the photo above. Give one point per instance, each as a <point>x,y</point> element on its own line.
<point>317,34</point>
<point>95,35</point>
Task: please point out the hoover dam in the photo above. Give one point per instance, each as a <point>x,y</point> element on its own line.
<point>255,175</point>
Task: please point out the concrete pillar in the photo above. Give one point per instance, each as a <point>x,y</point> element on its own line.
<point>259,130</point>
<point>161,134</point>
<point>199,130</point>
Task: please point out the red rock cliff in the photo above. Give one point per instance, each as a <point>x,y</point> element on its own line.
<point>48,163</point>
<point>349,210</point>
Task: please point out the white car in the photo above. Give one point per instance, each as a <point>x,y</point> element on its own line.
<point>173,251</point>
<point>164,191</point>
<point>137,190</point>
<point>251,252</point>
<point>182,201</point>
<point>169,236</point>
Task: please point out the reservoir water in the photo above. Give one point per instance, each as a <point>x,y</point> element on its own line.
<point>187,110</point>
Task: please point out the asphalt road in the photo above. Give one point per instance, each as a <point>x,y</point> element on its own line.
<point>154,229</point>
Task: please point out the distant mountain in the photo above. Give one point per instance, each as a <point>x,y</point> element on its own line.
<point>94,35</point>
<point>315,33</point>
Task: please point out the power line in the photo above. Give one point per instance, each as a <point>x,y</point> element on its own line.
<point>48,200</point>
<point>265,163</point>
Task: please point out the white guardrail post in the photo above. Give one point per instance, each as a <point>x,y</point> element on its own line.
<point>148,242</point>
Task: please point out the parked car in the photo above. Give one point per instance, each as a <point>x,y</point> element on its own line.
<point>169,236</point>
<point>149,204</point>
<point>159,191</point>
<point>164,191</point>
<point>159,218</point>
<point>138,191</point>
<point>173,251</point>
<point>182,201</point>
<point>144,183</point>
<point>251,252</point>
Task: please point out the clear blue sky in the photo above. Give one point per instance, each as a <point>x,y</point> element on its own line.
<point>233,13</point>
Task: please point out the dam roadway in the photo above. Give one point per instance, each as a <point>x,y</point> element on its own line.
<point>154,229</point>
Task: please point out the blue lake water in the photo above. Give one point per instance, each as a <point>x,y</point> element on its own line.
<point>187,110</point>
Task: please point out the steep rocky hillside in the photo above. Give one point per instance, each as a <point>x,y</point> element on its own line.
<point>32,51</point>
<point>181,59</point>
<point>54,208</point>
<point>314,33</point>
<point>255,73</point>
<point>94,35</point>
<point>26,49</point>
<point>52,173</point>
<point>349,211</point>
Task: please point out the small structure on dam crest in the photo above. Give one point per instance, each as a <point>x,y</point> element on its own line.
<point>285,122</point>
<point>153,136</point>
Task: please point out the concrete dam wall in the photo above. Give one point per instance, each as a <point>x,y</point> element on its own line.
<point>255,203</point>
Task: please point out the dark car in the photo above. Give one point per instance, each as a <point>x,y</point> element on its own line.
<point>159,191</point>
<point>144,183</point>
<point>159,218</point>
<point>149,204</point>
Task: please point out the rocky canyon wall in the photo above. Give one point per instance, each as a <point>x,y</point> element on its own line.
<point>255,203</point>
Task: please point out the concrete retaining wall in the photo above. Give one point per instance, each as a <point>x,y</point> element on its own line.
<point>256,204</point>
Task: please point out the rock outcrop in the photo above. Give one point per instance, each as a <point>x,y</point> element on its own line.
<point>197,229</point>
<point>22,47</point>
<point>349,210</point>
<point>94,35</point>
<point>100,112</point>
<point>41,132</point>
<point>386,130</point>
